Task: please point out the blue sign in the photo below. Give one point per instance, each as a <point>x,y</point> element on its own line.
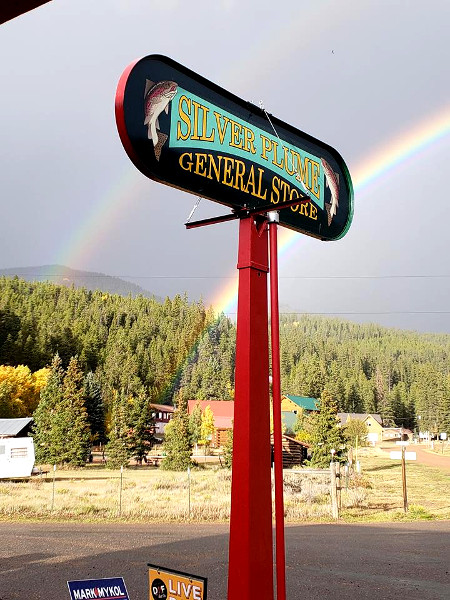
<point>112,588</point>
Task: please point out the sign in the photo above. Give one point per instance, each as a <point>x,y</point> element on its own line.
<point>398,455</point>
<point>10,10</point>
<point>182,130</point>
<point>443,435</point>
<point>109,589</point>
<point>167,584</point>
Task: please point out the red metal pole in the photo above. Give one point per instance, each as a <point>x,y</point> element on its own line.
<point>276,407</point>
<point>250,571</point>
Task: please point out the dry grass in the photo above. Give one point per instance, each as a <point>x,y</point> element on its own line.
<point>148,494</point>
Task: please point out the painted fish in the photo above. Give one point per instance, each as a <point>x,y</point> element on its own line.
<point>156,99</point>
<point>333,183</point>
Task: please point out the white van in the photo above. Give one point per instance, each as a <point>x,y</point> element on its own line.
<point>16,457</point>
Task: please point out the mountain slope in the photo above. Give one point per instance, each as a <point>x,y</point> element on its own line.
<point>62,275</point>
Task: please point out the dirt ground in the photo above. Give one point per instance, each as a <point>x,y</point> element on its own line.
<point>424,455</point>
<point>323,562</point>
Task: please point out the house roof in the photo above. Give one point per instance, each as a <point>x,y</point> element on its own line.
<point>344,417</point>
<point>162,407</point>
<point>220,408</point>
<point>303,402</point>
<point>12,427</point>
<point>223,411</point>
<point>288,437</point>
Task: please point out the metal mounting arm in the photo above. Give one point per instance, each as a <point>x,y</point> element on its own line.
<point>247,212</point>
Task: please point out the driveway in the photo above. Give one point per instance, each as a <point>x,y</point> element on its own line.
<point>334,562</point>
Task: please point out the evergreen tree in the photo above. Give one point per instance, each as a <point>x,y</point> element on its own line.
<point>141,427</point>
<point>71,424</point>
<point>327,434</point>
<point>95,408</point>
<point>117,447</point>
<point>48,448</point>
<point>177,444</point>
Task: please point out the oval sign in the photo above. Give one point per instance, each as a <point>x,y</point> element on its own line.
<point>180,129</point>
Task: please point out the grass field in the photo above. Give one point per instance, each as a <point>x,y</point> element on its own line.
<point>149,494</point>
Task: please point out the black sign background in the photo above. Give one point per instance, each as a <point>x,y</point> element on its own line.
<point>165,168</point>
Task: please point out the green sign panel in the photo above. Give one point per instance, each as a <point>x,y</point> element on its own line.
<point>184,131</point>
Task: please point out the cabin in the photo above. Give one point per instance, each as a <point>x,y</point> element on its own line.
<point>16,448</point>
<point>294,451</point>
<point>162,414</point>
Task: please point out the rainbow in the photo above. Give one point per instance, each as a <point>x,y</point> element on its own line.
<point>377,165</point>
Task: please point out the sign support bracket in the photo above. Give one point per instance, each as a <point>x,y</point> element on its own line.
<point>247,212</point>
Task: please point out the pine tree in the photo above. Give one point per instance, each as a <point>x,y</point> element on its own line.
<point>74,418</point>
<point>327,434</point>
<point>95,408</point>
<point>177,444</point>
<point>141,427</point>
<point>117,446</point>
<point>195,423</point>
<point>47,448</point>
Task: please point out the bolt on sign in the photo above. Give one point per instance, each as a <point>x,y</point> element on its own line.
<point>112,588</point>
<point>167,584</point>
<point>180,129</point>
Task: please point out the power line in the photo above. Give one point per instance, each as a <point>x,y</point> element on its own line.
<point>325,277</point>
<point>375,312</point>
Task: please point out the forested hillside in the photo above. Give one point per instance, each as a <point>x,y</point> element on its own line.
<point>139,346</point>
<point>133,345</point>
<point>367,368</point>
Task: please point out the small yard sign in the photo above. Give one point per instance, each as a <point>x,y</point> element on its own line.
<point>397,455</point>
<point>167,584</point>
<point>112,588</point>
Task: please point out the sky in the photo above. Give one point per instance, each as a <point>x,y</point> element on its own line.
<point>369,78</point>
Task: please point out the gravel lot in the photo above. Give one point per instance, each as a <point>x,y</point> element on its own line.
<point>354,562</point>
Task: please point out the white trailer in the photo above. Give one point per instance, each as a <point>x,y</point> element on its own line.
<point>16,457</point>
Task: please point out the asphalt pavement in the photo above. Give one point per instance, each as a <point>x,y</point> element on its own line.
<point>354,562</point>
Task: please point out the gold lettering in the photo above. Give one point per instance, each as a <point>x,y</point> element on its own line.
<point>249,138</point>
<point>315,187</point>
<point>189,164</point>
<point>258,193</point>
<point>239,176</point>
<point>184,117</point>
<point>213,165</point>
<point>228,165</point>
<point>195,134</point>
<point>299,167</point>
<point>294,191</point>
<point>313,211</point>
<point>251,181</point>
<point>285,187</point>
<point>286,162</point>
<point>200,164</point>
<point>304,208</point>
<point>221,130</point>
<point>275,190</point>
<point>267,145</point>
<point>236,131</point>
<point>274,161</point>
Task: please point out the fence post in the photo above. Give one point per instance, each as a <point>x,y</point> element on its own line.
<point>334,499</point>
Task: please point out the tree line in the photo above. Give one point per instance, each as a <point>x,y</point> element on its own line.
<point>137,351</point>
